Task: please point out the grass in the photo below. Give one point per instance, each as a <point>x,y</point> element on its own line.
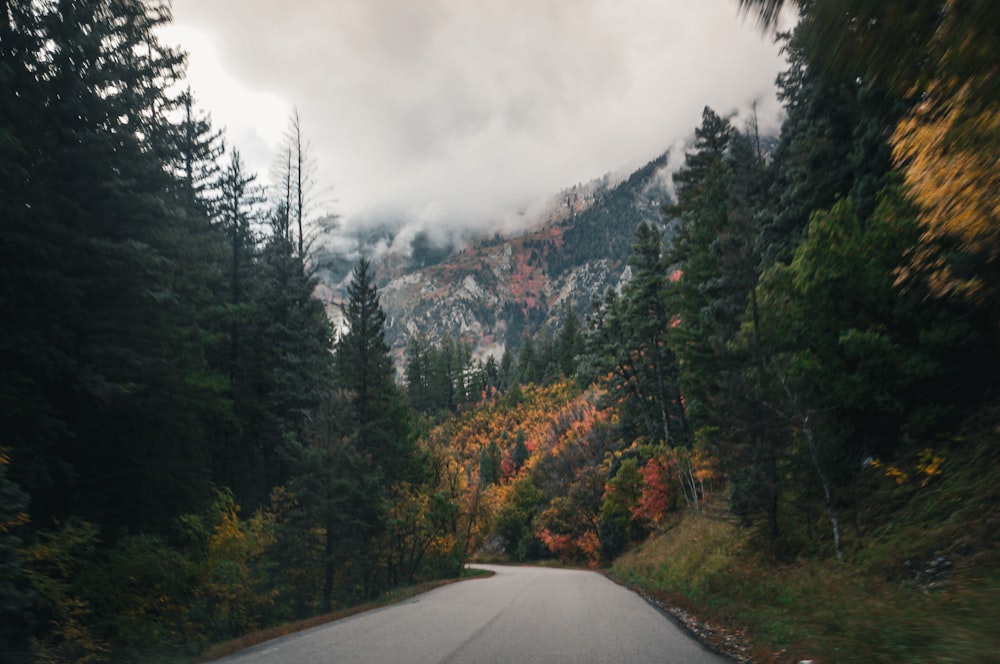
<point>235,645</point>
<point>880,604</point>
<point>473,573</point>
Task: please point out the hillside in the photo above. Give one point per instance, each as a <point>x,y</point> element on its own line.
<point>919,581</point>
<point>491,292</point>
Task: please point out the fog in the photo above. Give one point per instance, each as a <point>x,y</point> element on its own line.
<point>452,116</point>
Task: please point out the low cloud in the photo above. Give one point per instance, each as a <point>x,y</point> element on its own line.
<point>455,116</point>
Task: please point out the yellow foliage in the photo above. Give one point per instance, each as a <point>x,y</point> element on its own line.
<point>232,550</point>
<point>549,418</point>
<point>896,474</point>
<point>948,148</point>
<point>930,466</point>
<point>892,472</point>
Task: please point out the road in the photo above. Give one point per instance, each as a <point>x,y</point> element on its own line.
<point>522,614</point>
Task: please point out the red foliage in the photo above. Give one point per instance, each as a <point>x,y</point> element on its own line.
<point>658,490</point>
<point>561,545</point>
<point>507,469</point>
<point>567,548</point>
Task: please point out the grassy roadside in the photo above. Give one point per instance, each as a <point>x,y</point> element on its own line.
<point>235,645</point>
<point>920,581</point>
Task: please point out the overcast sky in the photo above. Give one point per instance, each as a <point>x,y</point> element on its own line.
<point>457,113</point>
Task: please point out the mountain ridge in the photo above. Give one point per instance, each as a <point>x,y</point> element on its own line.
<point>494,290</point>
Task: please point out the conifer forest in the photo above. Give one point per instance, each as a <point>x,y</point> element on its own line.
<point>195,446</point>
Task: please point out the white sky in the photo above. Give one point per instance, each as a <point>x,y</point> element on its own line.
<point>460,113</point>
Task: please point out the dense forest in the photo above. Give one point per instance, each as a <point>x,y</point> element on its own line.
<point>193,451</point>
<point>190,449</point>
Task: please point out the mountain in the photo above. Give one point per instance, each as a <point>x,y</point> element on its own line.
<point>492,291</point>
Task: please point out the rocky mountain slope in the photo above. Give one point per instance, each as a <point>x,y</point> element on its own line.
<point>493,291</point>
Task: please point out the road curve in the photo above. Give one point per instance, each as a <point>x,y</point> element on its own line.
<point>522,614</point>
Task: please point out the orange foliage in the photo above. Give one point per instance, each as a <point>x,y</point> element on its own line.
<point>659,488</point>
<point>954,178</point>
<point>561,545</point>
<point>548,418</point>
<point>552,421</point>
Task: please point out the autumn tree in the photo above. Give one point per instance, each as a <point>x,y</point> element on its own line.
<point>938,55</point>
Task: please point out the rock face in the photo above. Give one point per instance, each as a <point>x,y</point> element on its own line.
<point>492,292</point>
<point>489,297</point>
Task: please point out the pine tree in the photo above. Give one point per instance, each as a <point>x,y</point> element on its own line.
<point>195,163</point>
<point>418,374</point>
<point>702,203</point>
<point>629,349</point>
<point>570,342</point>
<point>112,251</point>
<point>648,322</point>
<point>527,362</point>
<point>489,464</point>
<point>376,420</point>
<point>283,372</point>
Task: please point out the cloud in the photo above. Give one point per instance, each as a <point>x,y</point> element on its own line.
<point>457,114</point>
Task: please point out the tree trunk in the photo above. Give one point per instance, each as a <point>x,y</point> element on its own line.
<point>328,567</point>
<point>825,481</point>
<point>662,394</point>
<point>772,491</point>
<point>810,435</point>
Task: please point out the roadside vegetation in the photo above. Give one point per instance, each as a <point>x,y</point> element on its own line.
<point>919,581</point>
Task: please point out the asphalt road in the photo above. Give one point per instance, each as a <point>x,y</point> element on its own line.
<point>522,614</point>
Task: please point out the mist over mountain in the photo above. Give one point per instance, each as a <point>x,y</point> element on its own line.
<point>489,292</point>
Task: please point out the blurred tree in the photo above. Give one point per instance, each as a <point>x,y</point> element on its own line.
<point>940,55</point>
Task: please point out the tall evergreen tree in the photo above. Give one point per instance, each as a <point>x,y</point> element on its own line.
<point>628,346</point>
<point>113,312</point>
<point>570,341</point>
<point>199,148</point>
<point>377,423</point>
<point>284,369</point>
<point>527,370</point>
<point>418,374</point>
<point>702,186</point>
<point>649,320</point>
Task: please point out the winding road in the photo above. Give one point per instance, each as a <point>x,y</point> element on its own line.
<point>522,614</point>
